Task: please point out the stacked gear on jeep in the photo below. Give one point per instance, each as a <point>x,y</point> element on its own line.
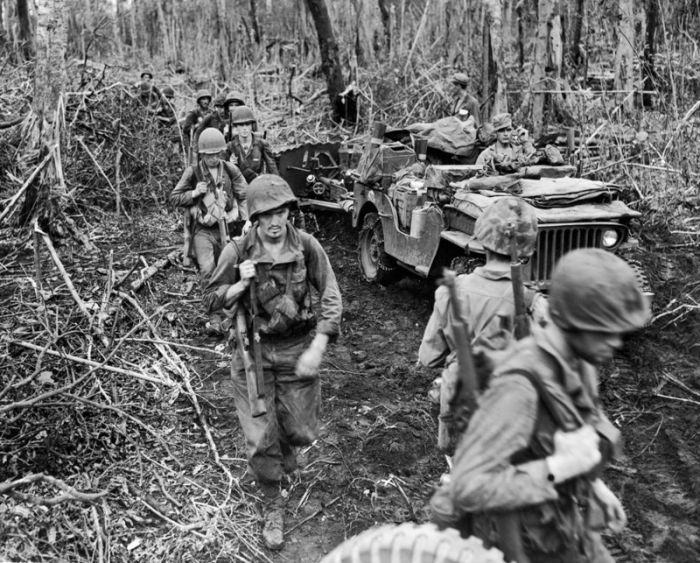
<point>420,225</point>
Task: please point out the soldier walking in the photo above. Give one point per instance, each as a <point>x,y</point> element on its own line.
<point>529,464</point>
<point>249,151</point>
<point>194,118</point>
<point>268,273</point>
<point>213,191</point>
<point>507,230</point>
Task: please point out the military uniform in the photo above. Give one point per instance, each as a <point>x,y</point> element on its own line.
<point>255,160</point>
<point>503,153</point>
<point>293,402</point>
<point>526,469</point>
<point>499,464</point>
<point>207,244</point>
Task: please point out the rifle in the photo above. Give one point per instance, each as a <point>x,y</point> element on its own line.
<point>466,372</point>
<point>253,369</point>
<point>521,321</point>
<point>187,238</point>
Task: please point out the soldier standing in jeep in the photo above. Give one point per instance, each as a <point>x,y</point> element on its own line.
<point>213,190</point>
<point>506,153</point>
<point>530,461</point>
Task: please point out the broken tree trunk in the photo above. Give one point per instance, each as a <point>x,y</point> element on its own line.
<point>495,79</point>
<point>624,56</point>
<point>330,59</point>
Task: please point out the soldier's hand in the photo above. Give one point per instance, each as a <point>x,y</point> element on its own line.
<point>575,453</point>
<point>309,362</point>
<point>246,269</point>
<point>200,188</point>
<point>615,516</point>
<point>233,159</point>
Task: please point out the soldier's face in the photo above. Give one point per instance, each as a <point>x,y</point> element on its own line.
<point>503,136</point>
<point>204,103</point>
<point>211,160</point>
<point>244,130</point>
<point>595,347</point>
<point>273,224</point>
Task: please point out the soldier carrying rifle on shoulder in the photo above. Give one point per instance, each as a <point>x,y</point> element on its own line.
<point>526,474</point>
<point>214,192</point>
<point>266,276</point>
<point>488,301</point>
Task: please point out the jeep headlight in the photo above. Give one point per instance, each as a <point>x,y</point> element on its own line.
<point>610,238</point>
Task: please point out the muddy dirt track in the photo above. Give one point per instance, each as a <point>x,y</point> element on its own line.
<point>376,461</point>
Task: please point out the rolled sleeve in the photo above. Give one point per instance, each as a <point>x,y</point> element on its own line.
<point>181,196</point>
<point>484,478</point>
<point>434,347</point>
<point>322,277</point>
<point>224,276</point>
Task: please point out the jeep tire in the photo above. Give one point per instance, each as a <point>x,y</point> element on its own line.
<point>375,264</point>
<point>410,542</point>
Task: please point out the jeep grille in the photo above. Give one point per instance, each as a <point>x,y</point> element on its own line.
<point>553,241</point>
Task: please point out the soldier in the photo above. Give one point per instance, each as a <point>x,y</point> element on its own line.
<point>149,95</point>
<point>530,460</point>
<point>165,112</point>
<point>283,264</point>
<point>486,296</point>
<point>507,153</point>
<point>194,117</point>
<point>250,152</point>
<point>201,190</point>
<point>232,101</point>
<point>215,118</point>
<point>465,105</point>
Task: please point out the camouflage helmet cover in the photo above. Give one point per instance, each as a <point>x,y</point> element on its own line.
<point>241,115</point>
<point>501,121</point>
<point>268,192</point>
<point>594,290</point>
<point>219,100</point>
<point>504,219</point>
<point>204,93</point>
<point>211,141</point>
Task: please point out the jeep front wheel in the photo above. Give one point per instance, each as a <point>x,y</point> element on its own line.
<point>375,264</point>
<point>411,542</point>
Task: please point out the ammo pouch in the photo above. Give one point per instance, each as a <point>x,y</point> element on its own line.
<point>282,309</point>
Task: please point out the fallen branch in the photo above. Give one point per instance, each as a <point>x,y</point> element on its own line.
<point>7,487</point>
<point>153,269</point>
<point>312,516</point>
<point>96,365</point>
<point>15,198</point>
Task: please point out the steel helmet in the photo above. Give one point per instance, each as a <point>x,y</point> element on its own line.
<point>505,218</point>
<point>168,92</point>
<point>211,141</point>
<point>203,94</point>
<point>234,98</point>
<point>147,73</point>
<point>594,290</point>
<point>241,115</point>
<point>219,100</point>
<point>268,192</point>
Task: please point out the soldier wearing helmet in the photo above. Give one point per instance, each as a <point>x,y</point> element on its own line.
<point>246,149</point>
<point>232,101</point>
<point>215,118</point>
<point>282,264</point>
<point>210,189</point>
<point>529,464</point>
<point>511,149</point>
<point>486,296</point>
<point>487,293</point>
<point>147,91</point>
<point>195,117</point>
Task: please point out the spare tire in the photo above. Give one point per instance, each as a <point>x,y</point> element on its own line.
<point>410,542</point>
